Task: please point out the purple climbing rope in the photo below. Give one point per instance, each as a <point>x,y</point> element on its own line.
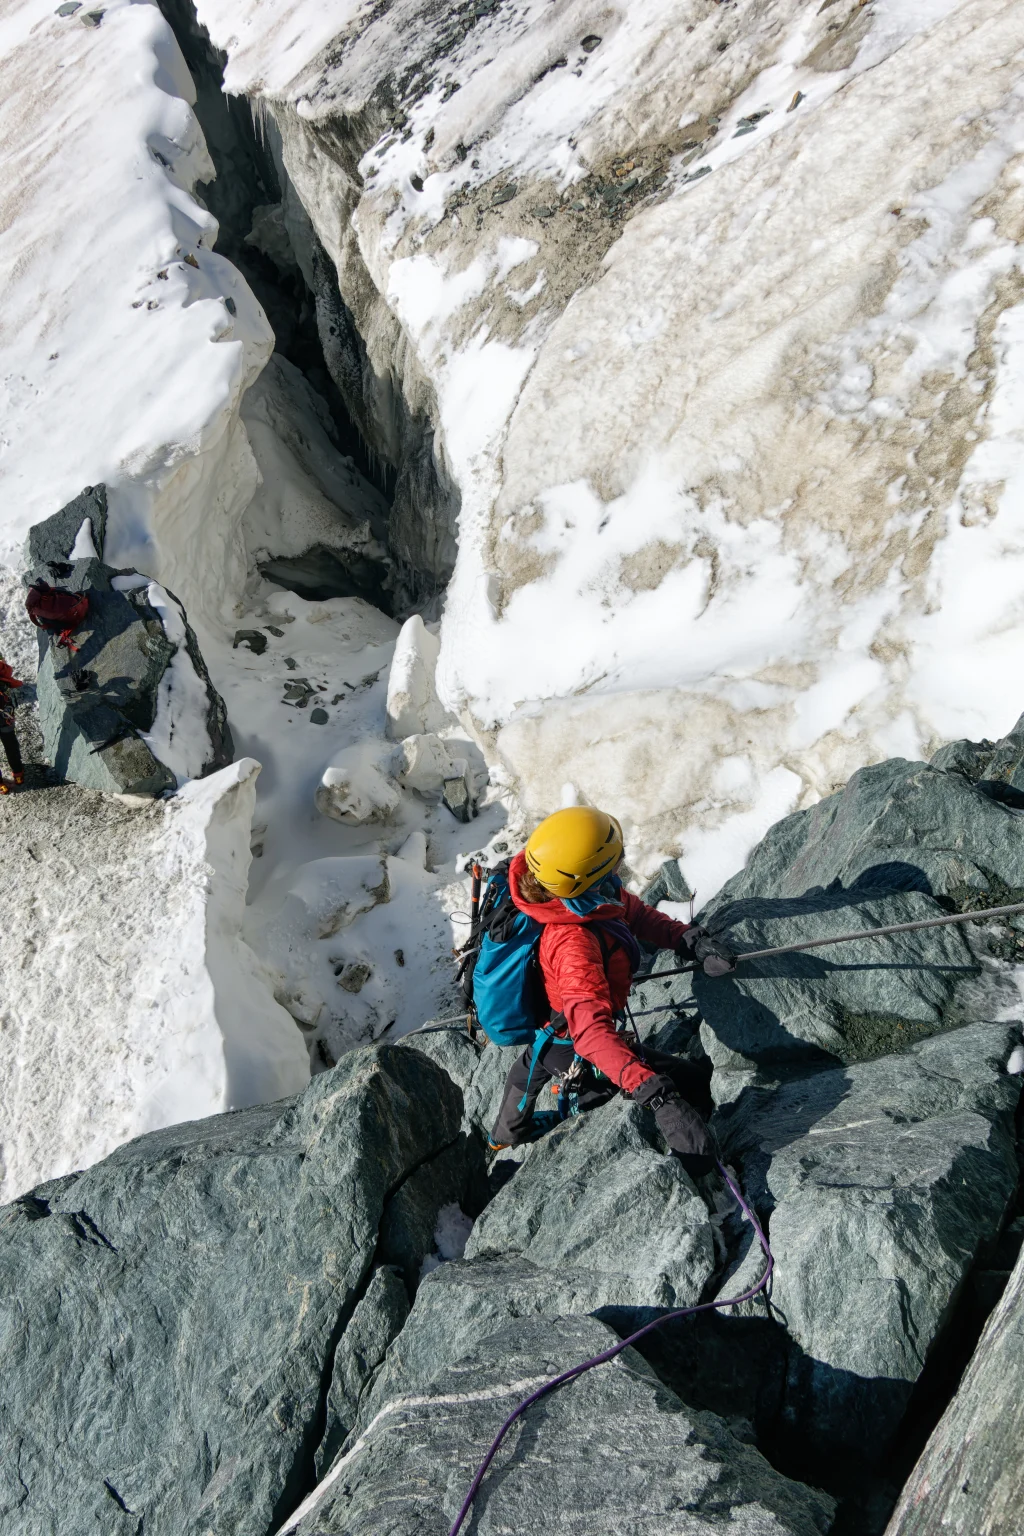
<point>616,1349</point>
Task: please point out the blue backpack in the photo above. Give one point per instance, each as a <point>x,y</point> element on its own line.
<point>500,974</point>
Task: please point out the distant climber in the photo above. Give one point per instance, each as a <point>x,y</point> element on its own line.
<point>8,738</point>
<point>565,880</point>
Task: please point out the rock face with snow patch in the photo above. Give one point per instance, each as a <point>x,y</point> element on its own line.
<point>170,1317</point>
<point>131,709</point>
<point>76,532</point>
<point>613,1451</point>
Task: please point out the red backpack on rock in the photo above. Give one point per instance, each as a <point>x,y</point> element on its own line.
<point>57,611</point>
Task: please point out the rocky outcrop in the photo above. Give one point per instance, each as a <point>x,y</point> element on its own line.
<point>171,1317</point>
<point>970,1478</point>
<point>127,706</point>
<point>903,841</point>
<point>611,1452</point>
<point>880,1183</point>
<point>600,1192</point>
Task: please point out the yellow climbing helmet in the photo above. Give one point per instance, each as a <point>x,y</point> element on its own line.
<point>573,849</point>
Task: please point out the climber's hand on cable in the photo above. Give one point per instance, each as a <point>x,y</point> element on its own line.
<point>714,956</point>
<point>683,1129</point>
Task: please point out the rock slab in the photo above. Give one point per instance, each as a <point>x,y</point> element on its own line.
<point>903,841</point>
<point>479,1068</point>
<point>970,1477</point>
<point>613,1452</point>
<point>881,1182</point>
<point>169,1318</point>
<point>600,1192</point>
<point>376,1321</point>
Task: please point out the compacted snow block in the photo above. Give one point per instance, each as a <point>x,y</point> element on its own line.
<point>169,1318</point>
<point>882,1181</point>
<point>970,1478</point>
<point>412,705</point>
<point>149,1008</point>
<point>131,709</point>
<point>612,1452</point>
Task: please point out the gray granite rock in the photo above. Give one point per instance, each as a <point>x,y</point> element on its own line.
<point>902,842</point>
<point>376,1321</point>
<point>169,1317</point>
<point>614,1452</point>
<point>599,1191</point>
<point>478,1068</point>
<point>457,1176</point>
<point>880,1183</point>
<point>970,1478</point>
<point>460,1304</point>
<point>996,768</point>
<point>95,703</point>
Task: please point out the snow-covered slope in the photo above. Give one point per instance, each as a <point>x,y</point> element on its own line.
<point>127,341</point>
<point>716,308</point>
<point>128,997</point>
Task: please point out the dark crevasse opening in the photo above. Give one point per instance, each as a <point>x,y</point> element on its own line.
<point>294,281</point>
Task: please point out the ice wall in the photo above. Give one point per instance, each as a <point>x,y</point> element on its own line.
<point>715,309</point>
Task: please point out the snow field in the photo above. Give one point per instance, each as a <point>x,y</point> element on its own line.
<point>355,918</point>
<point>127,341</point>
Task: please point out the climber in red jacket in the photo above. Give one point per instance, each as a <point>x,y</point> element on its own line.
<point>565,879</point>
<point>8,739</point>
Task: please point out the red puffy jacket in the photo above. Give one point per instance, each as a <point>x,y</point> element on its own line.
<point>577,983</point>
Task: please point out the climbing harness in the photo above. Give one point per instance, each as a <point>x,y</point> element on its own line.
<point>616,1349</point>
<point>847,938</point>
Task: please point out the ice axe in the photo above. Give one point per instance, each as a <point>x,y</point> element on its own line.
<point>845,938</point>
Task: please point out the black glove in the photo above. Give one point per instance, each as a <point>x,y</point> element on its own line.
<point>714,957</point>
<point>683,1129</point>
